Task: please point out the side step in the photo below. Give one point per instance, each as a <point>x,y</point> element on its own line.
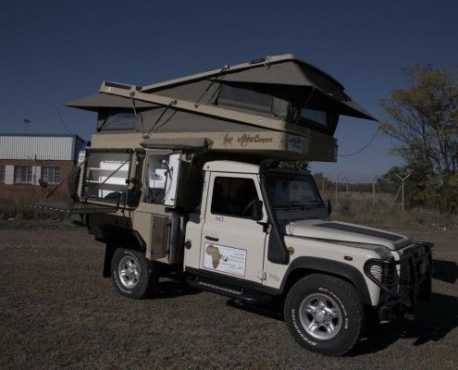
<point>242,294</point>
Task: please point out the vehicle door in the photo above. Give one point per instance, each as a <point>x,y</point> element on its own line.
<point>233,239</point>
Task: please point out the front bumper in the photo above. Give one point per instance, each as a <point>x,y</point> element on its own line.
<point>403,282</point>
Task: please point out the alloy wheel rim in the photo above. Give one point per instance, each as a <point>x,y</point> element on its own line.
<point>129,271</point>
<point>320,316</point>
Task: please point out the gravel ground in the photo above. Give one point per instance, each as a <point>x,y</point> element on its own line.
<point>57,311</point>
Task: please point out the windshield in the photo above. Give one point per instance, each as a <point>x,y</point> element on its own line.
<point>289,191</point>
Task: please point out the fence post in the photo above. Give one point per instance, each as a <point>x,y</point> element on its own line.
<point>374,179</point>
<point>403,199</point>
<point>337,189</point>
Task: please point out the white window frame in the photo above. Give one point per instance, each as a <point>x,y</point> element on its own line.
<point>27,181</point>
<point>53,179</point>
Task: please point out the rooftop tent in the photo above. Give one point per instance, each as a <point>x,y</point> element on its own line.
<point>277,74</point>
<point>300,83</point>
<point>275,104</point>
<point>281,76</point>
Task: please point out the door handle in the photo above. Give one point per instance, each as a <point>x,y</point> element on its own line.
<point>211,238</point>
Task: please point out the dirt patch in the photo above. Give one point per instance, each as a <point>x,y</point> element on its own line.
<point>57,311</point>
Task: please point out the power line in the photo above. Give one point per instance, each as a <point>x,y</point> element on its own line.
<point>363,148</point>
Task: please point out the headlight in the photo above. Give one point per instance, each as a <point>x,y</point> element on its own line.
<point>383,273</point>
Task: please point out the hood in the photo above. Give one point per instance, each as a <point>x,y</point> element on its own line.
<point>342,232</point>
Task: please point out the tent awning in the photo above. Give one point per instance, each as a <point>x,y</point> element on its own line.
<point>103,101</point>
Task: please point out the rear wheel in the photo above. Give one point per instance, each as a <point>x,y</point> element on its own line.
<point>324,314</point>
<point>132,275</point>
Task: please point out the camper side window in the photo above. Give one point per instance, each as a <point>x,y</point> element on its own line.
<point>315,118</point>
<point>116,120</point>
<point>245,98</point>
<point>106,176</point>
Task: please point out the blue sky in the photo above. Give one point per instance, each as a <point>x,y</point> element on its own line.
<point>55,51</point>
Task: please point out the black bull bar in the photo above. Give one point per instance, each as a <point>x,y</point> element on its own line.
<point>406,280</point>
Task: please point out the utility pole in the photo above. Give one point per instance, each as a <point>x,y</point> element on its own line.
<point>403,199</point>
<point>337,188</point>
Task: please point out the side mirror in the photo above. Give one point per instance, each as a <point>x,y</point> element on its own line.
<point>329,208</point>
<point>256,213</point>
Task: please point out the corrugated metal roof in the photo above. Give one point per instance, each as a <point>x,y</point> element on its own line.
<point>41,147</point>
<point>39,135</point>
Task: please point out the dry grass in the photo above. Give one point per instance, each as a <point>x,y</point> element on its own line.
<point>24,209</point>
<point>383,211</point>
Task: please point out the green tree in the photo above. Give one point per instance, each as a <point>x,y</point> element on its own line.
<point>424,122</point>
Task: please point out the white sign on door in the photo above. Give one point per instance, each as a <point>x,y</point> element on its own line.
<point>224,259</point>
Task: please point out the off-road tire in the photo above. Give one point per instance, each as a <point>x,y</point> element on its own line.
<point>148,277</point>
<point>344,295</point>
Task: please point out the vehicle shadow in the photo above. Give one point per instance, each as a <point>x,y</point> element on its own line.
<point>269,309</point>
<point>445,271</point>
<point>169,288</point>
<point>434,320</point>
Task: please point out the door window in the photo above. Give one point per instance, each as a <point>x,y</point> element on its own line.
<point>233,196</point>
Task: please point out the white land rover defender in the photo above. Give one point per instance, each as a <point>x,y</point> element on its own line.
<point>187,178</point>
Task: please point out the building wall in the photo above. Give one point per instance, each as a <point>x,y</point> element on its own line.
<point>36,152</point>
<point>13,192</point>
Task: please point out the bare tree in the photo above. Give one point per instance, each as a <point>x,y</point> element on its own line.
<point>425,118</point>
<point>424,121</point>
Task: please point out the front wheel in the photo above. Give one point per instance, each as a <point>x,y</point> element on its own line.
<point>324,314</point>
<point>133,276</point>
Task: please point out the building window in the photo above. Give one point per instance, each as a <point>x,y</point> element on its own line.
<point>23,175</point>
<point>2,174</point>
<point>50,175</point>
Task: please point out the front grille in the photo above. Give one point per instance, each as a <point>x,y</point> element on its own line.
<point>390,277</point>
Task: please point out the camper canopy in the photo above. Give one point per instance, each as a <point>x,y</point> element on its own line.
<point>272,99</point>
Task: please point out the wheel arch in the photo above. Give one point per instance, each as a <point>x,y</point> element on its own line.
<point>115,238</point>
<point>304,266</point>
